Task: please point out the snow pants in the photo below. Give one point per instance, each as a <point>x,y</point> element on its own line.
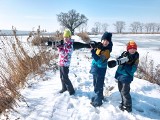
<point>98,83</point>
<point>66,83</point>
<point>124,89</point>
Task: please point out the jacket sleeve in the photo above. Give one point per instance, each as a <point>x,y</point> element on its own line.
<point>78,45</point>
<point>94,55</point>
<point>60,48</point>
<point>131,69</point>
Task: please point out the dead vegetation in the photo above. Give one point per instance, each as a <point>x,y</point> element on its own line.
<point>15,66</point>
<point>147,70</point>
<point>41,40</point>
<point>84,36</point>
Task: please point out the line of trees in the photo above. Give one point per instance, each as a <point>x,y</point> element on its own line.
<point>73,20</point>
<point>120,27</point>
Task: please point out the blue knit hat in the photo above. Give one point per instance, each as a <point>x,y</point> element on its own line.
<point>107,36</point>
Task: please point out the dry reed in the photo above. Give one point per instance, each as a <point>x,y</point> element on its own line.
<point>18,65</point>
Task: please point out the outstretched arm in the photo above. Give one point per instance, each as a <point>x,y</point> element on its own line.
<point>78,45</point>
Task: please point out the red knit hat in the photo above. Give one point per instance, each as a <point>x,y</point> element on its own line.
<point>131,45</point>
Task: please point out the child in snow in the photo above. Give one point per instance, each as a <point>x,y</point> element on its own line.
<point>125,73</point>
<point>65,52</point>
<point>100,54</point>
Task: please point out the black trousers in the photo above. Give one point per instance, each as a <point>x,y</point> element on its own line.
<point>98,83</point>
<point>66,83</point>
<point>124,89</point>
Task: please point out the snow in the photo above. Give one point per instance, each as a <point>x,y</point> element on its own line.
<point>41,100</point>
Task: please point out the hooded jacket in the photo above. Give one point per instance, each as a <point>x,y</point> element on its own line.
<point>125,72</point>
<point>65,52</point>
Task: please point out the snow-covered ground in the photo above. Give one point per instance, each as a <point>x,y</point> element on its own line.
<point>43,102</point>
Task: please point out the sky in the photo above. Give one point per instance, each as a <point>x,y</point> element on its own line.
<point>29,14</point>
<point>40,99</point>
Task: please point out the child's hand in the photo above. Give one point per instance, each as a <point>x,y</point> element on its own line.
<point>91,47</point>
<point>92,44</point>
<point>128,55</point>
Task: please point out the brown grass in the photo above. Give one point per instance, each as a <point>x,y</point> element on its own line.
<point>18,64</point>
<point>84,36</point>
<point>147,71</point>
<point>37,40</point>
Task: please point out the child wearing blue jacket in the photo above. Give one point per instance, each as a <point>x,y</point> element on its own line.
<point>125,73</point>
<point>100,55</point>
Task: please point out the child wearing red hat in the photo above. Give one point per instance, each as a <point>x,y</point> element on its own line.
<point>125,73</point>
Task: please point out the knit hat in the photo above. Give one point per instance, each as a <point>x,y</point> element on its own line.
<point>131,45</point>
<point>67,33</point>
<point>107,36</point>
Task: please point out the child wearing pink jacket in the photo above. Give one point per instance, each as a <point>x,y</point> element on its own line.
<point>65,52</point>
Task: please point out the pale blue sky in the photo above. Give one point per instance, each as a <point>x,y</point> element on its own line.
<point>28,14</point>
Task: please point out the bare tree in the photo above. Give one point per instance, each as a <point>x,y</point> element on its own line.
<point>147,27</point>
<point>135,26</point>
<point>150,27</point>
<point>71,20</point>
<point>94,31</point>
<point>97,26</point>
<point>82,27</point>
<point>153,27</point>
<point>120,26</point>
<point>104,27</point>
<point>158,27</point>
<point>141,27</point>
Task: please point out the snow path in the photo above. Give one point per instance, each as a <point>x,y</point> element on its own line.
<point>45,103</point>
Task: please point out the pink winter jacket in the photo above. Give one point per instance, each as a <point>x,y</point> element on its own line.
<point>65,52</point>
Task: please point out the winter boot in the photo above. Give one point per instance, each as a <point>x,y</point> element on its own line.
<point>128,108</point>
<point>63,90</point>
<point>121,106</point>
<point>96,101</point>
<point>72,92</point>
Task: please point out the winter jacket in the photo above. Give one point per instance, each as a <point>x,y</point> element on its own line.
<point>100,57</point>
<point>65,52</point>
<point>125,72</point>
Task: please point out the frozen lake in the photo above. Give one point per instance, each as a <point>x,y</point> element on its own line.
<point>142,40</point>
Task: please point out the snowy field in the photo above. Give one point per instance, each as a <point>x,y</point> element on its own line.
<point>43,102</point>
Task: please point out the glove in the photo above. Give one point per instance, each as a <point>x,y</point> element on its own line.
<point>122,60</point>
<point>119,61</point>
<point>93,44</point>
<point>112,63</point>
<point>58,43</point>
<point>100,46</point>
<point>127,54</point>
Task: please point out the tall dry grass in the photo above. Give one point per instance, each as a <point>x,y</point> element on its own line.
<point>84,36</point>
<point>41,40</point>
<point>148,71</point>
<point>15,67</point>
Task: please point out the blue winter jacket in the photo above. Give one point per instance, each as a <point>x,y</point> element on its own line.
<point>125,72</point>
<point>100,58</point>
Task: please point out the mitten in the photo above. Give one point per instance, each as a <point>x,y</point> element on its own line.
<point>112,63</point>
<point>127,54</point>
<point>100,46</point>
<point>93,44</point>
<point>59,43</point>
